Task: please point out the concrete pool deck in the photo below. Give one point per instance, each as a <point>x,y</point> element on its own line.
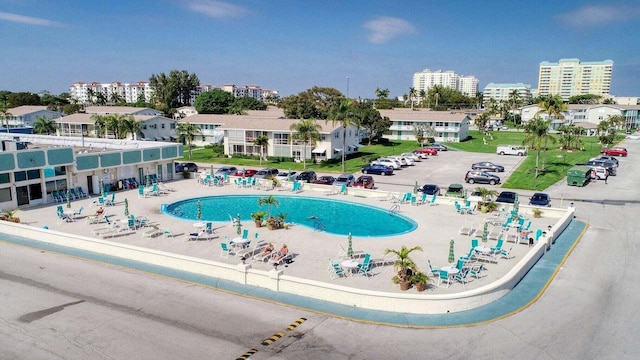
<point>436,226</point>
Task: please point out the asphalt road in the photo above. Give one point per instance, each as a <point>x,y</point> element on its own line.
<point>58,307</point>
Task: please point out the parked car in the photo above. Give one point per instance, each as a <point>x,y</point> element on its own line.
<point>364,181</point>
<point>378,169</point>
<point>268,173</point>
<point>398,160</point>
<point>286,175</point>
<point>412,156</point>
<point>386,162</point>
<point>430,189</point>
<point>438,146</point>
<point>477,176</point>
<point>426,151</point>
<point>191,167</point>
<point>325,180</point>
<point>609,165</point>
<point>540,199</point>
<point>507,197</point>
<point>227,170</point>
<point>615,151</point>
<point>607,157</point>
<point>246,172</point>
<point>475,196</point>
<point>599,173</point>
<point>455,190</point>
<point>344,179</point>
<point>405,160</point>
<point>307,176</point>
<point>487,166</point>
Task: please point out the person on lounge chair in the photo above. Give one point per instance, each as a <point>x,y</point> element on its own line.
<point>99,211</point>
<point>267,250</point>
<point>281,253</point>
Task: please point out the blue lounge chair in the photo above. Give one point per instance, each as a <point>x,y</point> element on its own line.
<point>343,190</point>
<point>225,250</point>
<point>365,267</point>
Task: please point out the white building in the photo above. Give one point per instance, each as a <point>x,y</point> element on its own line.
<point>129,92</point>
<point>586,114</point>
<point>570,77</point>
<point>502,92</point>
<point>26,115</point>
<point>449,126</point>
<point>426,79</point>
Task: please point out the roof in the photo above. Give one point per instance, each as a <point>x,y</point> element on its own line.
<point>117,110</point>
<point>241,122</point>
<point>424,115</point>
<point>28,109</point>
<point>81,118</point>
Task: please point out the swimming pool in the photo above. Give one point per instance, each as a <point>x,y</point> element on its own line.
<point>333,216</point>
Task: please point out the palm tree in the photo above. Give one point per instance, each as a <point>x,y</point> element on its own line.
<point>537,134</point>
<point>515,98</point>
<point>342,113</point>
<point>100,124</point>
<point>129,125</point>
<point>482,120</point>
<point>113,123</point>
<point>403,262</point>
<point>42,125</point>
<point>269,201</point>
<point>186,133</point>
<point>553,106</point>
<point>261,141</point>
<point>412,95</point>
<point>5,115</point>
<point>308,131</point>
<point>486,193</point>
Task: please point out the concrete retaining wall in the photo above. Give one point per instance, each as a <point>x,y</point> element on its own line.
<point>414,303</point>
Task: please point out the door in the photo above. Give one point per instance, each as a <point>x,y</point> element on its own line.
<point>159,174</point>
<point>141,179</point>
<point>89,184</point>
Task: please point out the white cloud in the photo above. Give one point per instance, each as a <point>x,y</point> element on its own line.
<point>216,9</point>
<point>27,20</point>
<point>599,15</point>
<point>384,29</point>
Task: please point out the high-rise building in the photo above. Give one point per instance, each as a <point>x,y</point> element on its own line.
<point>426,79</point>
<point>570,77</point>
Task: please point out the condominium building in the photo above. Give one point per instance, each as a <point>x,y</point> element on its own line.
<point>570,77</point>
<point>426,79</point>
<point>502,92</point>
<point>86,93</point>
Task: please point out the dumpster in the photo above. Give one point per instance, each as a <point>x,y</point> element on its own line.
<point>578,175</point>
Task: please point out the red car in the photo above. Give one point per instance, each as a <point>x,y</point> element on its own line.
<point>325,180</point>
<point>426,151</point>
<point>364,181</point>
<point>615,151</point>
<point>246,172</point>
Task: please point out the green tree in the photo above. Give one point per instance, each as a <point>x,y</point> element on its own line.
<point>369,120</point>
<point>129,125</point>
<point>6,115</point>
<point>308,131</point>
<point>537,131</point>
<point>423,132</point>
<point>173,90</point>
<point>44,126</point>
<point>412,95</point>
<point>249,103</point>
<point>482,120</point>
<point>262,142</point>
<point>23,98</point>
<point>71,109</point>
<point>270,202</point>
<point>215,101</point>
<point>100,124</point>
<point>186,134</point>
<point>342,113</point>
<point>553,106</point>
<point>403,262</point>
<point>314,103</point>
<point>590,99</point>
<point>382,93</point>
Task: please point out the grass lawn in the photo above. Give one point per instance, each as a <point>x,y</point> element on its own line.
<point>556,161</point>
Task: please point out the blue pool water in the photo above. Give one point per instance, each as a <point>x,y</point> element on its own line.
<point>335,216</point>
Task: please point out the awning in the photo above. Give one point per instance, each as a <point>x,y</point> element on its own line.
<point>166,138</point>
<point>318,151</point>
<point>338,150</point>
<point>158,138</point>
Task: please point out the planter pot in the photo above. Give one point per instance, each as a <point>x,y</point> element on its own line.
<point>404,285</point>
<point>537,216</point>
<point>258,223</point>
<point>421,287</point>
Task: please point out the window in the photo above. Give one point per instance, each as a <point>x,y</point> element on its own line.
<point>5,194</point>
<point>20,175</point>
<point>162,126</point>
<point>33,174</point>
<point>35,192</point>
<point>4,178</point>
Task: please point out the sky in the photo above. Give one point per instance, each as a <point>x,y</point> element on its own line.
<point>354,46</point>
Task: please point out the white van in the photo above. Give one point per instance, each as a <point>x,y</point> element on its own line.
<point>599,173</point>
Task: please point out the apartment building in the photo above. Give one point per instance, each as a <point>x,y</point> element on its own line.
<point>502,92</point>
<point>448,126</point>
<point>570,77</point>
<point>426,79</point>
<point>25,116</point>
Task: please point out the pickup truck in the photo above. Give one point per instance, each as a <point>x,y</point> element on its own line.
<point>511,150</point>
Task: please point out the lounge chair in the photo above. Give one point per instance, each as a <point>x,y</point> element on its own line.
<point>343,190</point>
<point>365,267</point>
<point>423,199</point>
<point>275,260</point>
<point>250,250</point>
<point>498,248</point>
<point>342,253</point>
<point>335,270</point>
<point>386,259</point>
<point>467,229</point>
<point>506,254</point>
<point>168,232</point>
<point>433,200</point>
<point>152,232</point>
<point>495,234</point>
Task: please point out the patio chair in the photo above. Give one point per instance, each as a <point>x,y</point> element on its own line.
<point>167,232</point>
<point>226,251</point>
<point>498,248</point>
<point>79,212</point>
<point>506,254</point>
<point>208,229</point>
<point>112,201</point>
<point>462,276</point>
<point>343,190</point>
<point>81,192</point>
<point>444,278</point>
<point>414,200</point>
<point>434,272</point>
<point>141,192</point>
<point>131,223</point>
<point>458,207</point>
<point>433,200</point>
<point>365,267</point>
<point>507,224</point>
<point>474,243</point>
<point>538,234</point>
<point>335,270</point>
<point>475,269</point>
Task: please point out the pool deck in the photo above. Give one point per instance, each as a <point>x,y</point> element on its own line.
<point>437,225</point>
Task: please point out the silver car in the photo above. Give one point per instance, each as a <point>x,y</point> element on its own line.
<point>344,179</point>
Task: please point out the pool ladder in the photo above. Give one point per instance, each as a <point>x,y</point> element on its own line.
<point>319,226</point>
<point>394,208</point>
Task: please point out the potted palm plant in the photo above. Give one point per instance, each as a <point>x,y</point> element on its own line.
<point>420,279</point>
<point>537,212</point>
<point>404,266</point>
<point>258,216</point>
